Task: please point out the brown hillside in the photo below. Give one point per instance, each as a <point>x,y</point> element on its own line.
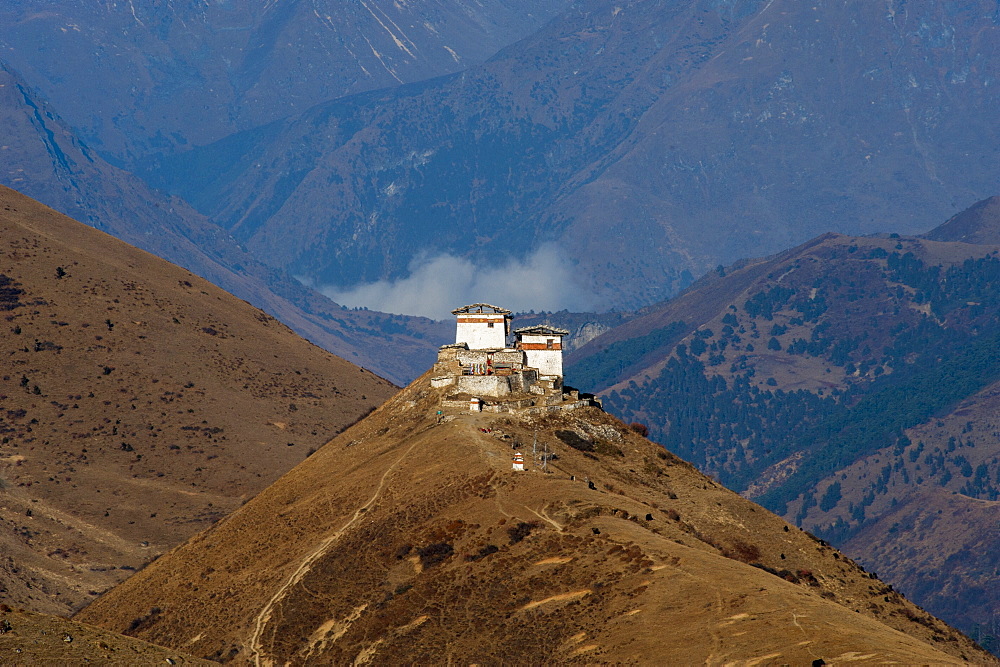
<point>409,538</point>
<point>45,160</point>
<point>28,638</point>
<point>980,223</point>
<point>138,404</point>
<point>833,320</point>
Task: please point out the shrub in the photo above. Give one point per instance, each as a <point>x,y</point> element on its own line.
<point>521,531</point>
<point>144,621</point>
<point>639,428</point>
<point>433,554</point>
<point>742,551</point>
<point>483,553</point>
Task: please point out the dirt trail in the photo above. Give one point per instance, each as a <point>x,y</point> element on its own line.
<point>265,613</point>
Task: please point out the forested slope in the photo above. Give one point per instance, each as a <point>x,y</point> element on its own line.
<point>842,383</point>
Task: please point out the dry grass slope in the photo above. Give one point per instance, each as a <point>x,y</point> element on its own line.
<point>27,638</point>
<point>138,405</point>
<point>408,538</point>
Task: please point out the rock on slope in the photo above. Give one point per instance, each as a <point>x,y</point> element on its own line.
<point>409,538</point>
<point>138,404</point>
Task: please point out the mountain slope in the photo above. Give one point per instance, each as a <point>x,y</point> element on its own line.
<point>138,404</point>
<point>44,159</point>
<point>409,538</point>
<point>977,224</point>
<point>848,384</point>
<point>639,144</point>
<point>146,78</point>
<point>36,639</point>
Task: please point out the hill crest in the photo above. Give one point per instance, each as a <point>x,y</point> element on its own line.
<point>409,537</point>
<point>849,385</point>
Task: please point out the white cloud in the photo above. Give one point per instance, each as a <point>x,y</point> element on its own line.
<point>437,285</point>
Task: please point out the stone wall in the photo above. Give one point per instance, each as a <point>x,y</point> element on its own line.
<point>485,385</point>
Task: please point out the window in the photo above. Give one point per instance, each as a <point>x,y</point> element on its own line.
<point>489,324</point>
<point>548,344</point>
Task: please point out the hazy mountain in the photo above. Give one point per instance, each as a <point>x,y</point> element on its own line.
<point>138,405</point>
<point>408,538</point>
<point>146,78</point>
<point>977,224</point>
<point>621,150</point>
<point>848,384</point>
<point>44,159</point>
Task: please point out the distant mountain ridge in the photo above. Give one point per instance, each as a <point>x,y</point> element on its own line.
<point>979,223</point>
<point>136,79</point>
<point>44,159</point>
<point>623,151</point>
<point>646,142</point>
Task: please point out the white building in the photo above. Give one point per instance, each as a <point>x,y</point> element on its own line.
<point>542,346</point>
<point>479,363</point>
<point>482,326</point>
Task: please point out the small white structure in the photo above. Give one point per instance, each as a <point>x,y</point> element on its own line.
<point>482,326</point>
<point>475,405</point>
<point>518,461</point>
<point>542,346</point>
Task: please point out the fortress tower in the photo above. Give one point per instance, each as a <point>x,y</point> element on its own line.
<point>482,326</point>
<point>542,346</point>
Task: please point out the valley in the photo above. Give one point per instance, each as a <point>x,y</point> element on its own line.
<point>847,384</point>
<point>716,211</point>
